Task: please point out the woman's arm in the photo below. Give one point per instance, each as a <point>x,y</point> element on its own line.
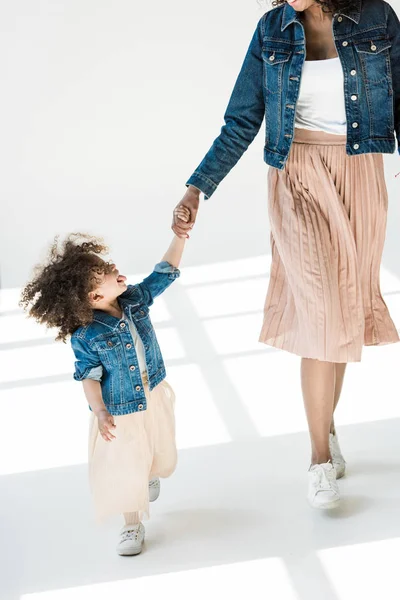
<point>243,118</point>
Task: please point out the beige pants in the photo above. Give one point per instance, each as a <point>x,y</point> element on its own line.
<point>119,471</point>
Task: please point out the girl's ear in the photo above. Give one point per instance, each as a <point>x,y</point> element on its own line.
<point>94,297</point>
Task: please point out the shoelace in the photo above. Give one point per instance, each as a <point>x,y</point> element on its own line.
<point>324,484</point>
<point>130,535</point>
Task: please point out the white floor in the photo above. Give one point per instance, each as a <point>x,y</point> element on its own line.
<point>233,521</point>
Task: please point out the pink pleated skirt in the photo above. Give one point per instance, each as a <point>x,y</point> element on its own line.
<point>119,471</point>
<point>328,216</point>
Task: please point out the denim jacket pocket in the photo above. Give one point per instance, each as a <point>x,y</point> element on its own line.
<point>109,349</point>
<point>274,62</point>
<point>142,313</point>
<point>374,57</point>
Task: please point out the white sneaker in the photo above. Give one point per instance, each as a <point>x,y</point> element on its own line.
<point>337,457</point>
<point>154,489</point>
<point>323,490</point>
<point>131,540</point>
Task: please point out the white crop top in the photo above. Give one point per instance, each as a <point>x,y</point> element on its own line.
<point>321,104</point>
<point>138,345</point>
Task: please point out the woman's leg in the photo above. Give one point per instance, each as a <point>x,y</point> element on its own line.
<point>318,385</point>
<point>340,370</point>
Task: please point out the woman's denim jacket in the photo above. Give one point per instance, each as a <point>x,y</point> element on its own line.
<point>105,350</point>
<point>367,40</point>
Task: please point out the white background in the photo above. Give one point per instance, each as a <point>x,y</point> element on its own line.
<point>106,109</point>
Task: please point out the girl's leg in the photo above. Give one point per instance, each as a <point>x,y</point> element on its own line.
<point>318,381</point>
<point>132,518</point>
<point>340,370</point>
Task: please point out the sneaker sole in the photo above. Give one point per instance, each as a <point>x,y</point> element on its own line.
<point>154,498</point>
<point>340,473</point>
<point>328,506</point>
<point>125,553</point>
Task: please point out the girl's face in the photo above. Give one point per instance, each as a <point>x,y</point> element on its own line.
<point>300,5</point>
<point>110,285</point>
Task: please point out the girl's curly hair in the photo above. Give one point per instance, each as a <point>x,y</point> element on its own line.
<point>58,294</point>
<point>332,6</point>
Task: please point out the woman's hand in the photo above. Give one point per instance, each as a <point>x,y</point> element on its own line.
<point>106,425</point>
<point>190,202</point>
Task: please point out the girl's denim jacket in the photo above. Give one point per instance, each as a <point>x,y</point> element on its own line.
<point>105,350</point>
<point>367,40</point>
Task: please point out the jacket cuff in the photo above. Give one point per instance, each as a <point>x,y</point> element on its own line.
<point>166,268</point>
<point>203,183</point>
<point>95,373</point>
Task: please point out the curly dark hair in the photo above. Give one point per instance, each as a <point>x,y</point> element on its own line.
<point>332,6</point>
<point>58,294</point>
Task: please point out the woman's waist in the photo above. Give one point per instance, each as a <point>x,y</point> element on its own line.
<point>319,138</point>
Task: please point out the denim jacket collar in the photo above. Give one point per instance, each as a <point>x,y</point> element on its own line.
<point>108,320</point>
<point>292,16</point>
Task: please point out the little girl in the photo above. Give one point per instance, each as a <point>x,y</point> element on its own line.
<point>118,359</point>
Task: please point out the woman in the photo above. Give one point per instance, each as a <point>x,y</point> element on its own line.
<point>326,76</point>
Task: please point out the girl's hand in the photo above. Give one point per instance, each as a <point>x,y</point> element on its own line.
<point>190,202</point>
<point>106,425</point>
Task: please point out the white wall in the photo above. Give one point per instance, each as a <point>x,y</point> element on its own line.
<point>106,109</point>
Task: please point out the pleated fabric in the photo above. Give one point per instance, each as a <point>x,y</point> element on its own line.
<point>119,471</point>
<point>328,216</point>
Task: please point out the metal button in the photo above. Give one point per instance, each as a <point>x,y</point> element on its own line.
<point>356,146</point>
<point>353,72</point>
<point>345,44</point>
<point>355,125</point>
<point>142,312</point>
<point>354,97</point>
<point>122,325</point>
<point>129,346</point>
<point>272,57</point>
<point>133,368</point>
<point>110,344</point>
<point>138,388</point>
<point>373,47</point>
<point>340,19</point>
<point>140,407</point>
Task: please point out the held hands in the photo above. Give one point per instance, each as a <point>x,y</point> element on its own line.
<point>106,425</point>
<point>185,213</point>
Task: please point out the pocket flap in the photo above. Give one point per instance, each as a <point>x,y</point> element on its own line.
<point>372,47</point>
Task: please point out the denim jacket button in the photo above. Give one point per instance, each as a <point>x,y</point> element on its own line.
<point>140,407</point>
<point>373,47</point>
<point>345,44</point>
<point>354,97</point>
<point>122,325</point>
<point>110,344</point>
<point>138,388</point>
<point>272,57</point>
<point>353,72</point>
<point>340,19</point>
<point>355,125</point>
<point>129,346</point>
<point>133,368</point>
<point>356,146</point>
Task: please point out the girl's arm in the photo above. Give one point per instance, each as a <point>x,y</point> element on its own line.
<point>174,253</point>
<point>94,397</point>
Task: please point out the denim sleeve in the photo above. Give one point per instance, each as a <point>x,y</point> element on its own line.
<point>393,28</point>
<point>243,118</point>
<point>160,279</point>
<point>88,364</point>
